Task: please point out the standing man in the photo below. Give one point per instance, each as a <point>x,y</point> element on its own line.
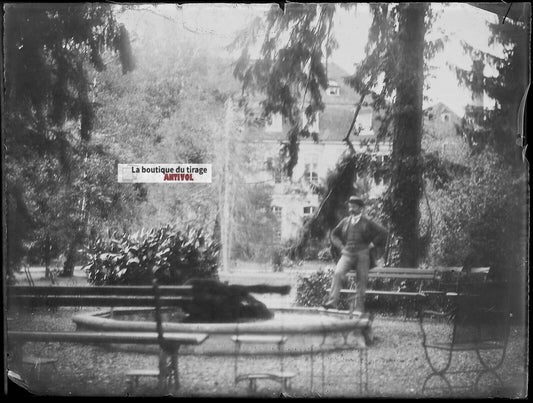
<point>357,237</point>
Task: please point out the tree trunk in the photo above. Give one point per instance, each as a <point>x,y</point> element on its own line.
<point>47,257</point>
<point>68,267</point>
<point>406,181</point>
<point>70,258</point>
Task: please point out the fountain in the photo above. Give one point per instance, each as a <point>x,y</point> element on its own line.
<point>308,330</point>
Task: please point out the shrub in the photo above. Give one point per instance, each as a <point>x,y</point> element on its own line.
<point>481,217</point>
<point>325,255</point>
<point>165,253</point>
<point>312,290</point>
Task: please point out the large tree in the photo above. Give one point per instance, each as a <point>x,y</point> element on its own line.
<point>406,180</point>
<point>499,128</point>
<point>48,111</point>
<point>492,214</point>
<point>292,72</point>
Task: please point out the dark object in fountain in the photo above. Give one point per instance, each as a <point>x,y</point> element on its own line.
<point>217,302</point>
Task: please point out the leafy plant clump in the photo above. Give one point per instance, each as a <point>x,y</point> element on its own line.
<point>312,290</point>
<point>167,254</point>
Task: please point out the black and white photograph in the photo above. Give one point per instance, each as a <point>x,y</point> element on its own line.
<point>266,200</point>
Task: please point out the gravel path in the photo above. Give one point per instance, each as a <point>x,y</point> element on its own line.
<point>396,366</point>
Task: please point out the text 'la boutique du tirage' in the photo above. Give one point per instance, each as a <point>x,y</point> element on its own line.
<point>160,173</point>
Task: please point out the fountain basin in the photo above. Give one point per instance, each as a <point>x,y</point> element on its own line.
<point>308,330</point>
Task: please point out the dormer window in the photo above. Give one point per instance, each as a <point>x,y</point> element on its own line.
<point>333,88</point>
<point>309,211</point>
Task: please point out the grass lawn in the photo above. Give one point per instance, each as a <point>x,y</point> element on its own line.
<point>397,366</point>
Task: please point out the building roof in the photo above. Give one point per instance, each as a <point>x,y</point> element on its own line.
<point>347,94</point>
<point>336,118</point>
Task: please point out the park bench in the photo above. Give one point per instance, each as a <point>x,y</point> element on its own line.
<point>282,377</point>
<point>424,282</point>
<point>96,296</point>
<point>155,295</point>
<point>476,319</point>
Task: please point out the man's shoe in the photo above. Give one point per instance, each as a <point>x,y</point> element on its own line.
<point>330,305</point>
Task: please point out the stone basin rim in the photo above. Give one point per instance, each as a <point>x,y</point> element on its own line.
<point>97,321</point>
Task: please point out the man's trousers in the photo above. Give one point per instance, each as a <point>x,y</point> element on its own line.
<point>360,262</point>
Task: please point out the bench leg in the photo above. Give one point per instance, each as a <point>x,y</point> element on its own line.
<point>168,371</point>
<point>285,385</point>
<point>16,352</point>
<point>33,374</point>
<point>174,372</point>
<point>131,383</point>
<point>163,372</point>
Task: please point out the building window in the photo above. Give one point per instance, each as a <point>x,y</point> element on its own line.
<point>277,175</point>
<point>275,125</point>
<point>333,88</point>
<point>311,167</point>
<point>277,211</point>
<point>311,173</point>
<point>309,211</point>
<point>269,164</point>
<point>377,179</point>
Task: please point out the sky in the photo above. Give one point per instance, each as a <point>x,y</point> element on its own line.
<point>459,22</point>
<point>217,23</point>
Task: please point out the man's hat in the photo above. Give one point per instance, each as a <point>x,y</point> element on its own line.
<point>356,200</point>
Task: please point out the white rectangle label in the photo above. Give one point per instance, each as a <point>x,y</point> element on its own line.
<point>164,173</point>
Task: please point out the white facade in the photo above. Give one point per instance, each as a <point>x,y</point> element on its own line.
<point>293,200</point>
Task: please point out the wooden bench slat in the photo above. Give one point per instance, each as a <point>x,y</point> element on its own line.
<point>185,290</point>
<point>259,339</point>
<point>398,273</point>
<point>468,346</point>
<point>402,276</point>
<point>266,375</point>
<point>142,372</point>
<point>107,337</point>
<point>380,292</point>
<point>96,300</point>
<point>400,270</point>
<point>33,360</point>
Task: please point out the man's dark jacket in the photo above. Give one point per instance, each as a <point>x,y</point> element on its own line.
<point>372,232</point>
